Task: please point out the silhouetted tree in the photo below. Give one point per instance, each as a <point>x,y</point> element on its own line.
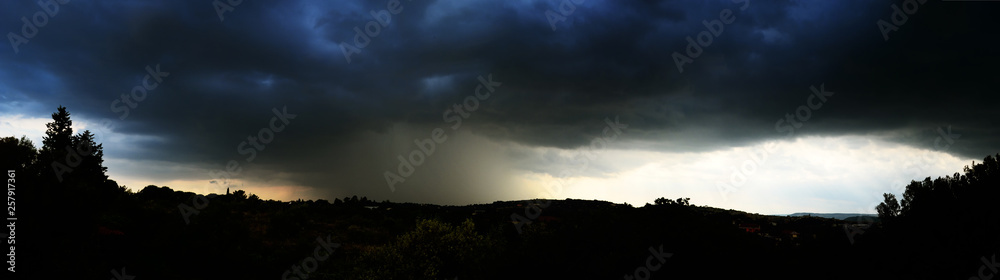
<point>66,157</point>
<point>662,201</point>
<point>889,209</point>
<point>57,141</point>
<point>240,195</point>
<point>152,192</point>
<point>914,196</point>
<point>683,201</point>
<point>18,154</point>
<point>91,168</point>
<point>963,213</point>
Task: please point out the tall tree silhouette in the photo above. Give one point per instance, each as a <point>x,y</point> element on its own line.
<point>57,140</point>
<point>68,159</point>
<point>91,168</point>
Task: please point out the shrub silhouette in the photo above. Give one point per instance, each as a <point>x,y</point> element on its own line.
<point>432,250</point>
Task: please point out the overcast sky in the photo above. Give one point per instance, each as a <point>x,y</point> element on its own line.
<point>772,107</point>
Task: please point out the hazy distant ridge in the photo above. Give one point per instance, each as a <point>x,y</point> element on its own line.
<point>839,216</point>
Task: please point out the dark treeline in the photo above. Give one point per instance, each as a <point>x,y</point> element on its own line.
<point>76,222</point>
<point>940,226</point>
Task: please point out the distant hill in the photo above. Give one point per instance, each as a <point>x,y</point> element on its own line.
<point>839,216</point>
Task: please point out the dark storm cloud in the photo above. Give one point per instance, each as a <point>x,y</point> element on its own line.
<point>607,59</point>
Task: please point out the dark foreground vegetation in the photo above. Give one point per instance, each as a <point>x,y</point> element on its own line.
<point>81,225</point>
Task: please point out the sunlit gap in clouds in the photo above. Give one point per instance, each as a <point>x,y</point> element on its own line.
<point>18,125</point>
<point>818,174</point>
